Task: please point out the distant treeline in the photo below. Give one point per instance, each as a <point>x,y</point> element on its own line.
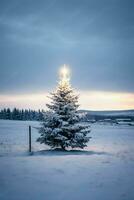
<point>103,117</point>
<point>17,114</point>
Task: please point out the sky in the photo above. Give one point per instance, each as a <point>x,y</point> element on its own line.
<point>95,38</point>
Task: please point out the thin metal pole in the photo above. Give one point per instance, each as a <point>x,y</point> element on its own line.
<point>29,138</point>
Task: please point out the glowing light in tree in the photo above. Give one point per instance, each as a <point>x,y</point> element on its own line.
<point>64,74</point>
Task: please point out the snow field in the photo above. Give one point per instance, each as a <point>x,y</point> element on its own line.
<point>104,170</point>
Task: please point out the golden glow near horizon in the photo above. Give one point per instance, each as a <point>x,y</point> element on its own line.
<point>91,100</point>
<point>103,100</point>
<point>64,74</point>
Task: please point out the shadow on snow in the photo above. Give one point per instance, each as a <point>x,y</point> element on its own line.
<point>60,152</point>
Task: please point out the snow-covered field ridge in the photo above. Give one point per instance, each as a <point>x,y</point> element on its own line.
<point>127,113</point>
<point>102,171</point>
<point>121,117</point>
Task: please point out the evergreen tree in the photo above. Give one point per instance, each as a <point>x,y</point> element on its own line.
<point>4,113</point>
<point>40,115</point>
<point>8,114</point>
<point>61,127</point>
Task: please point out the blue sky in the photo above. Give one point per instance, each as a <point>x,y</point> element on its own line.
<point>95,38</point>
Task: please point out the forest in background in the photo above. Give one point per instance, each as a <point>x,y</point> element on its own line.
<point>21,114</point>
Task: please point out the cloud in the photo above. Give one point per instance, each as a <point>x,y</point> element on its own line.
<point>96,38</point>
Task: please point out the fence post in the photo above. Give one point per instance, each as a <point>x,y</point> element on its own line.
<point>29,138</point>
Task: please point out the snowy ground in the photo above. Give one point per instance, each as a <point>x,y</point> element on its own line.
<point>103,171</point>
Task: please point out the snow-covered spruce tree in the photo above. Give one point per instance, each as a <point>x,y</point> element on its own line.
<point>61,127</point>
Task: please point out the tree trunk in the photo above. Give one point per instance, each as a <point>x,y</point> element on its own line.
<point>63,148</point>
